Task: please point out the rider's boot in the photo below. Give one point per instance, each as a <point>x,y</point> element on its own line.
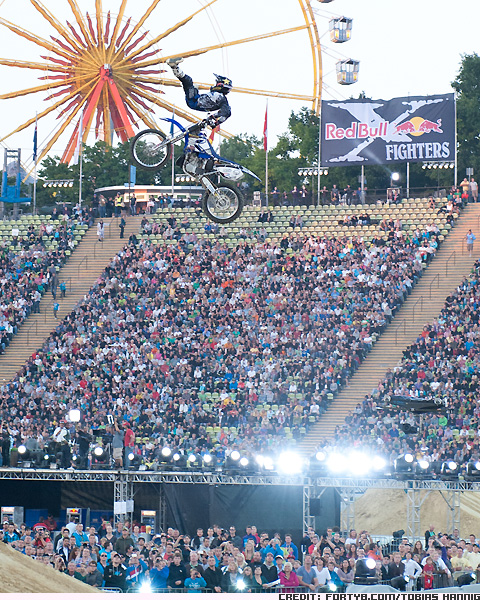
<point>173,64</point>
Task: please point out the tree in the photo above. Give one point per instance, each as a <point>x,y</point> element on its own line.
<point>467,86</point>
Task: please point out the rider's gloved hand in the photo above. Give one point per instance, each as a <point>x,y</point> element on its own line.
<point>212,122</point>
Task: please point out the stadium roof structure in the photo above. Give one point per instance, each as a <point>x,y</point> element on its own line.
<point>313,487</point>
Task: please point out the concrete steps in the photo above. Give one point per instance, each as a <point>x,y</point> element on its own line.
<point>80,272</point>
<point>443,275</point>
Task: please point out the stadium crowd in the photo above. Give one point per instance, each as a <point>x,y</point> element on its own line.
<point>444,363</point>
<point>206,348</point>
<point>123,558</point>
<point>28,269</point>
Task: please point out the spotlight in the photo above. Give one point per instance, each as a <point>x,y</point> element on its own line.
<point>244,461</point>
<point>403,466</point>
<point>358,463</point>
<point>207,459</point>
<point>166,452</point>
<point>22,449</point>
<point>74,415</point>
<point>145,588</point>
<point>70,184</point>
<point>466,579</point>
<point>337,463</point>
<point>235,455</point>
<point>332,587</point>
<point>370,562</point>
<point>320,456</point>
<point>290,463</point>
<point>241,585</point>
<point>176,457</point>
<point>378,463</point>
<point>130,456</point>
<point>192,458</point>
<point>435,166</point>
<point>449,470</point>
<point>98,451</point>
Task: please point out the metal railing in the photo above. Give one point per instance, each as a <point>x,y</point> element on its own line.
<point>95,247</point>
<point>84,260</point>
<point>403,323</point>
<point>29,330</point>
<point>415,305</point>
<point>452,255</point>
<point>437,279</point>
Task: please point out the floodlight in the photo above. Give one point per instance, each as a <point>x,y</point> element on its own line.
<point>74,415</point>
<point>289,463</point>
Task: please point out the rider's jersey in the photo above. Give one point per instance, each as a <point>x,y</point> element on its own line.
<point>214,101</point>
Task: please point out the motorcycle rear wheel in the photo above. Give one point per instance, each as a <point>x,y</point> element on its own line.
<point>150,150</point>
<point>226,206</point>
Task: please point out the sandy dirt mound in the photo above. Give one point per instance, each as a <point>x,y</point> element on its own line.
<point>19,573</point>
<point>384,511</point>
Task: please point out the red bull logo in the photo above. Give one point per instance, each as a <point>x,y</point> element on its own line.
<point>355,131</point>
<point>418,126</point>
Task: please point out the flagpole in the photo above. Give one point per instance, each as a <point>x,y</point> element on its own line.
<point>173,158</point>
<point>265,146</point>
<point>35,167</point>
<point>80,150</point>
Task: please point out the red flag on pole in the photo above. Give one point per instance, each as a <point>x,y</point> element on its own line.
<point>265,130</point>
<point>214,131</point>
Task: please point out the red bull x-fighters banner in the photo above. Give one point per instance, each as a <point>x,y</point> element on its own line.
<point>414,129</point>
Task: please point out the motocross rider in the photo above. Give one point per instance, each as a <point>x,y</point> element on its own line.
<point>214,100</point>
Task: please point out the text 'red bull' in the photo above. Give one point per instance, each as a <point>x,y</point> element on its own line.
<point>355,131</point>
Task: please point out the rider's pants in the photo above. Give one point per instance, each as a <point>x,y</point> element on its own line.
<point>191,92</point>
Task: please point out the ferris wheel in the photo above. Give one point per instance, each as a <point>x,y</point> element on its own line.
<point>104,74</point>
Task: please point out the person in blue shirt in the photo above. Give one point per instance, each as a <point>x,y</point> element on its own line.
<point>288,547</point>
<point>195,582</point>
<point>136,572</point>
<point>159,574</point>
<point>79,535</point>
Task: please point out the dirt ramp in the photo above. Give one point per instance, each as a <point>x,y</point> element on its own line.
<point>384,511</point>
<point>21,574</point>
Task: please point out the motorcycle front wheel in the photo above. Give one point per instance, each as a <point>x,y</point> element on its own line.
<point>224,207</point>
<point>150,150</point>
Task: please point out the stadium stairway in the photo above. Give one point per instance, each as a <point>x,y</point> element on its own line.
<point>80,272</point>
<point>445,272</point>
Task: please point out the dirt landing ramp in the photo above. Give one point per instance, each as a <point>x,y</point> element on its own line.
<point>19,573</point>
<point>384,511</point>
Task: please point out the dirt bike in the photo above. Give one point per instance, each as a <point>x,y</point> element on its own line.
<point>221,202</point>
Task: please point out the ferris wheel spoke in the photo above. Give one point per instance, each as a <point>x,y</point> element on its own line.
<point>170,30</point>
<point>99,15</point>
<point>36,39</point>
<point>38,88</point>
<point>52,108</point>
<point>138,26</point>
<point>199,51</point>
<point>23,64</point>
<point>142,115</point>
<point>240,90</point>
<point>116,29</point>
<point>83,27</point>
<point>47,15</point>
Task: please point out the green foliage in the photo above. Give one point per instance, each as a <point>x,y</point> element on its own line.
<point>467,86</point>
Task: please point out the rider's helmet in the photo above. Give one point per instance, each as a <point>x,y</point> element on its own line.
<point>222,84</point>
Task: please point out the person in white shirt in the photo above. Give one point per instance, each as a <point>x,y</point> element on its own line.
<point>412,569</point>
<point>321,572</point>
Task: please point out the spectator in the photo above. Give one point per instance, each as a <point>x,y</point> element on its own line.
<point>115,574</point>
